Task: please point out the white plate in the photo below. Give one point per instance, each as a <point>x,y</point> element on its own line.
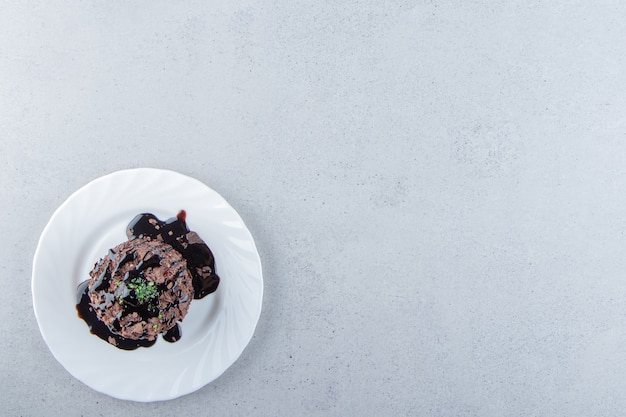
<point>215,331</point>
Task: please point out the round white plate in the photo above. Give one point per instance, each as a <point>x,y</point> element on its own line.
<point>216,329</point>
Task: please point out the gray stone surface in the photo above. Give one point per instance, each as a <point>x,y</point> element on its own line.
<point>436,190</point>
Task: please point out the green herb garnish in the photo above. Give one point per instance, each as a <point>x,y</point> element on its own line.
<point>144,291</point>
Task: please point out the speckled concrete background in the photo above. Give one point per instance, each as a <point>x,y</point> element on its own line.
<point>436,190</point>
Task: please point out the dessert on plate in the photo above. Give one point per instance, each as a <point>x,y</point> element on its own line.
<point>143,287</point>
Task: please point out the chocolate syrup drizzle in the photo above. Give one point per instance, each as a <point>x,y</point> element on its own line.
<point>174,231</point>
